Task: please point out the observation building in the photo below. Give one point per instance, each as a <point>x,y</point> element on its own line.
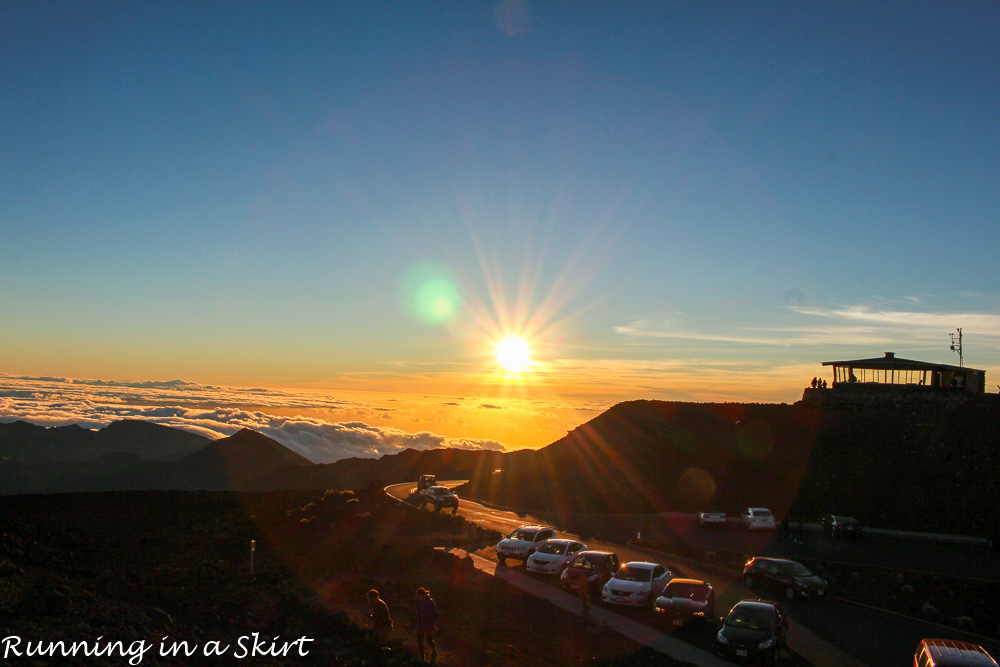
<point>894,379</point>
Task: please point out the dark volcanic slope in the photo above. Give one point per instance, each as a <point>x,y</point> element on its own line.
<point>648,456</point>
<point>908,467</point>
<point>28,442</point>
<point>246,460</point>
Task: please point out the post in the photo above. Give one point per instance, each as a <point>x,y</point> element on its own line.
<point>253,547</point>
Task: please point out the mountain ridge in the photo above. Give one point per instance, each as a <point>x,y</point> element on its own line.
<point>637,457</point>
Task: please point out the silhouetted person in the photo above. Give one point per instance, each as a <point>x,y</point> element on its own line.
<point>427,613</point>
<point>378,619</point>
<point>815,382</point>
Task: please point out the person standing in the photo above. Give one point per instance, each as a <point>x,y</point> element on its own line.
<point>427,614</point>
<point>583,590</point>
<point>378,620</point>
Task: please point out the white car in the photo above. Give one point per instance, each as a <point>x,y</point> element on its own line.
<point>523,542</point>
<point>712,518</point>
<point>758,517</point>
<point>552,557</point>
<point>636,584</point>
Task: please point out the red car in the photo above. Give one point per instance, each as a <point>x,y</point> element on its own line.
<point>684,600</point>
<point>597,567</point>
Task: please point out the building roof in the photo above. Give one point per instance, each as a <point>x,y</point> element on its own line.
<point>891,362</point>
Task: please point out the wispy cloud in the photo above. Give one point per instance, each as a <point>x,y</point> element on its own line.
<point>891,321</point>
<point>213,412</point>
<point>987,323</point>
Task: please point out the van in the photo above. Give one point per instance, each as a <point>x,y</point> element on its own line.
<point>951,653</point>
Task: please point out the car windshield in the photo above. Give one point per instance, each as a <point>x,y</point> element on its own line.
<point>588,562</point>
<point>442,492</point>
<point>692,591</point>
<point>634,574</point>
<point>762,513</point>
<point>528,535</point>
<point>796,569</point>
<point>753,619</point>
<point>844,519</point>
<point>555,548</point>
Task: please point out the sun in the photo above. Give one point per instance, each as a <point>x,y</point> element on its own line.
<point>513,354</point>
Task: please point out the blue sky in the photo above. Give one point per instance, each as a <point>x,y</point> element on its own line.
<point>687,201</point>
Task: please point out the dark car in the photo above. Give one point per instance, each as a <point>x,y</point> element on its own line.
<point>841,527</point>
<point>787,577</point>
<point>753,630</point>
<point>684,600</point>
<point>596,566</point>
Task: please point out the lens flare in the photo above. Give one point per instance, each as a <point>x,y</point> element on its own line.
<point>431,295</point>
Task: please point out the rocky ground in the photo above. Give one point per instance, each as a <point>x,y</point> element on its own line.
<point>171,571</point>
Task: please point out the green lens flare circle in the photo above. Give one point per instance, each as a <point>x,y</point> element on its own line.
<point>431,295</point>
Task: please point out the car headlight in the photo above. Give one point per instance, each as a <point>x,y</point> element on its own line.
<point>721,638</point>
<point>640,594</point>
<point>766,644</point>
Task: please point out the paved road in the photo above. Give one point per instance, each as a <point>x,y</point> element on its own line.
<point>823,633</point>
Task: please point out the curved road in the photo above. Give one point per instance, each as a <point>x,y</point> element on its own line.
<point>823,633</point>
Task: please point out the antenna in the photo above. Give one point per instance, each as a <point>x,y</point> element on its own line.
<point>957,347</point>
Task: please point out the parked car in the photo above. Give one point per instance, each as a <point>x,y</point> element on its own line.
<point>757,518</point>
<point>753,630</point>
<point>841,527</point>
<point>426,482</point>
<point>595,566</point>
<point>523,542</point>
<point>712,518</point>
<point>636,584</point>
<point>785,576</point>
<point>683,600</point>
<point>552,556</point>
<point>951,653</point>
<point>440,497</point>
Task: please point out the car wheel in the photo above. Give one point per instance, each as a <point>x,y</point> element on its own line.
<point>790,593</point>
<point>748,580</point>
<point>502,559</point>
<point>437,508</point>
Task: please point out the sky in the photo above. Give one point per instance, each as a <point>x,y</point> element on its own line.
<point>314,217</point>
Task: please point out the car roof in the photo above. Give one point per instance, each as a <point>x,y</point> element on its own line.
<point>591,552</point>
<point>531,528</point>
<point>755,604</point>
<point>641,564</point>
<point>695,582</point>
<point>562,539</point>
<point>970,654</point>
<point>758,508</point>
<point>776,560</point>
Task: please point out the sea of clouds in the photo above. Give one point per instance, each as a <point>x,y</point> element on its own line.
<point>214,412</point>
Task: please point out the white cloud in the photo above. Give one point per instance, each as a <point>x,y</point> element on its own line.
<point>213,412</point>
